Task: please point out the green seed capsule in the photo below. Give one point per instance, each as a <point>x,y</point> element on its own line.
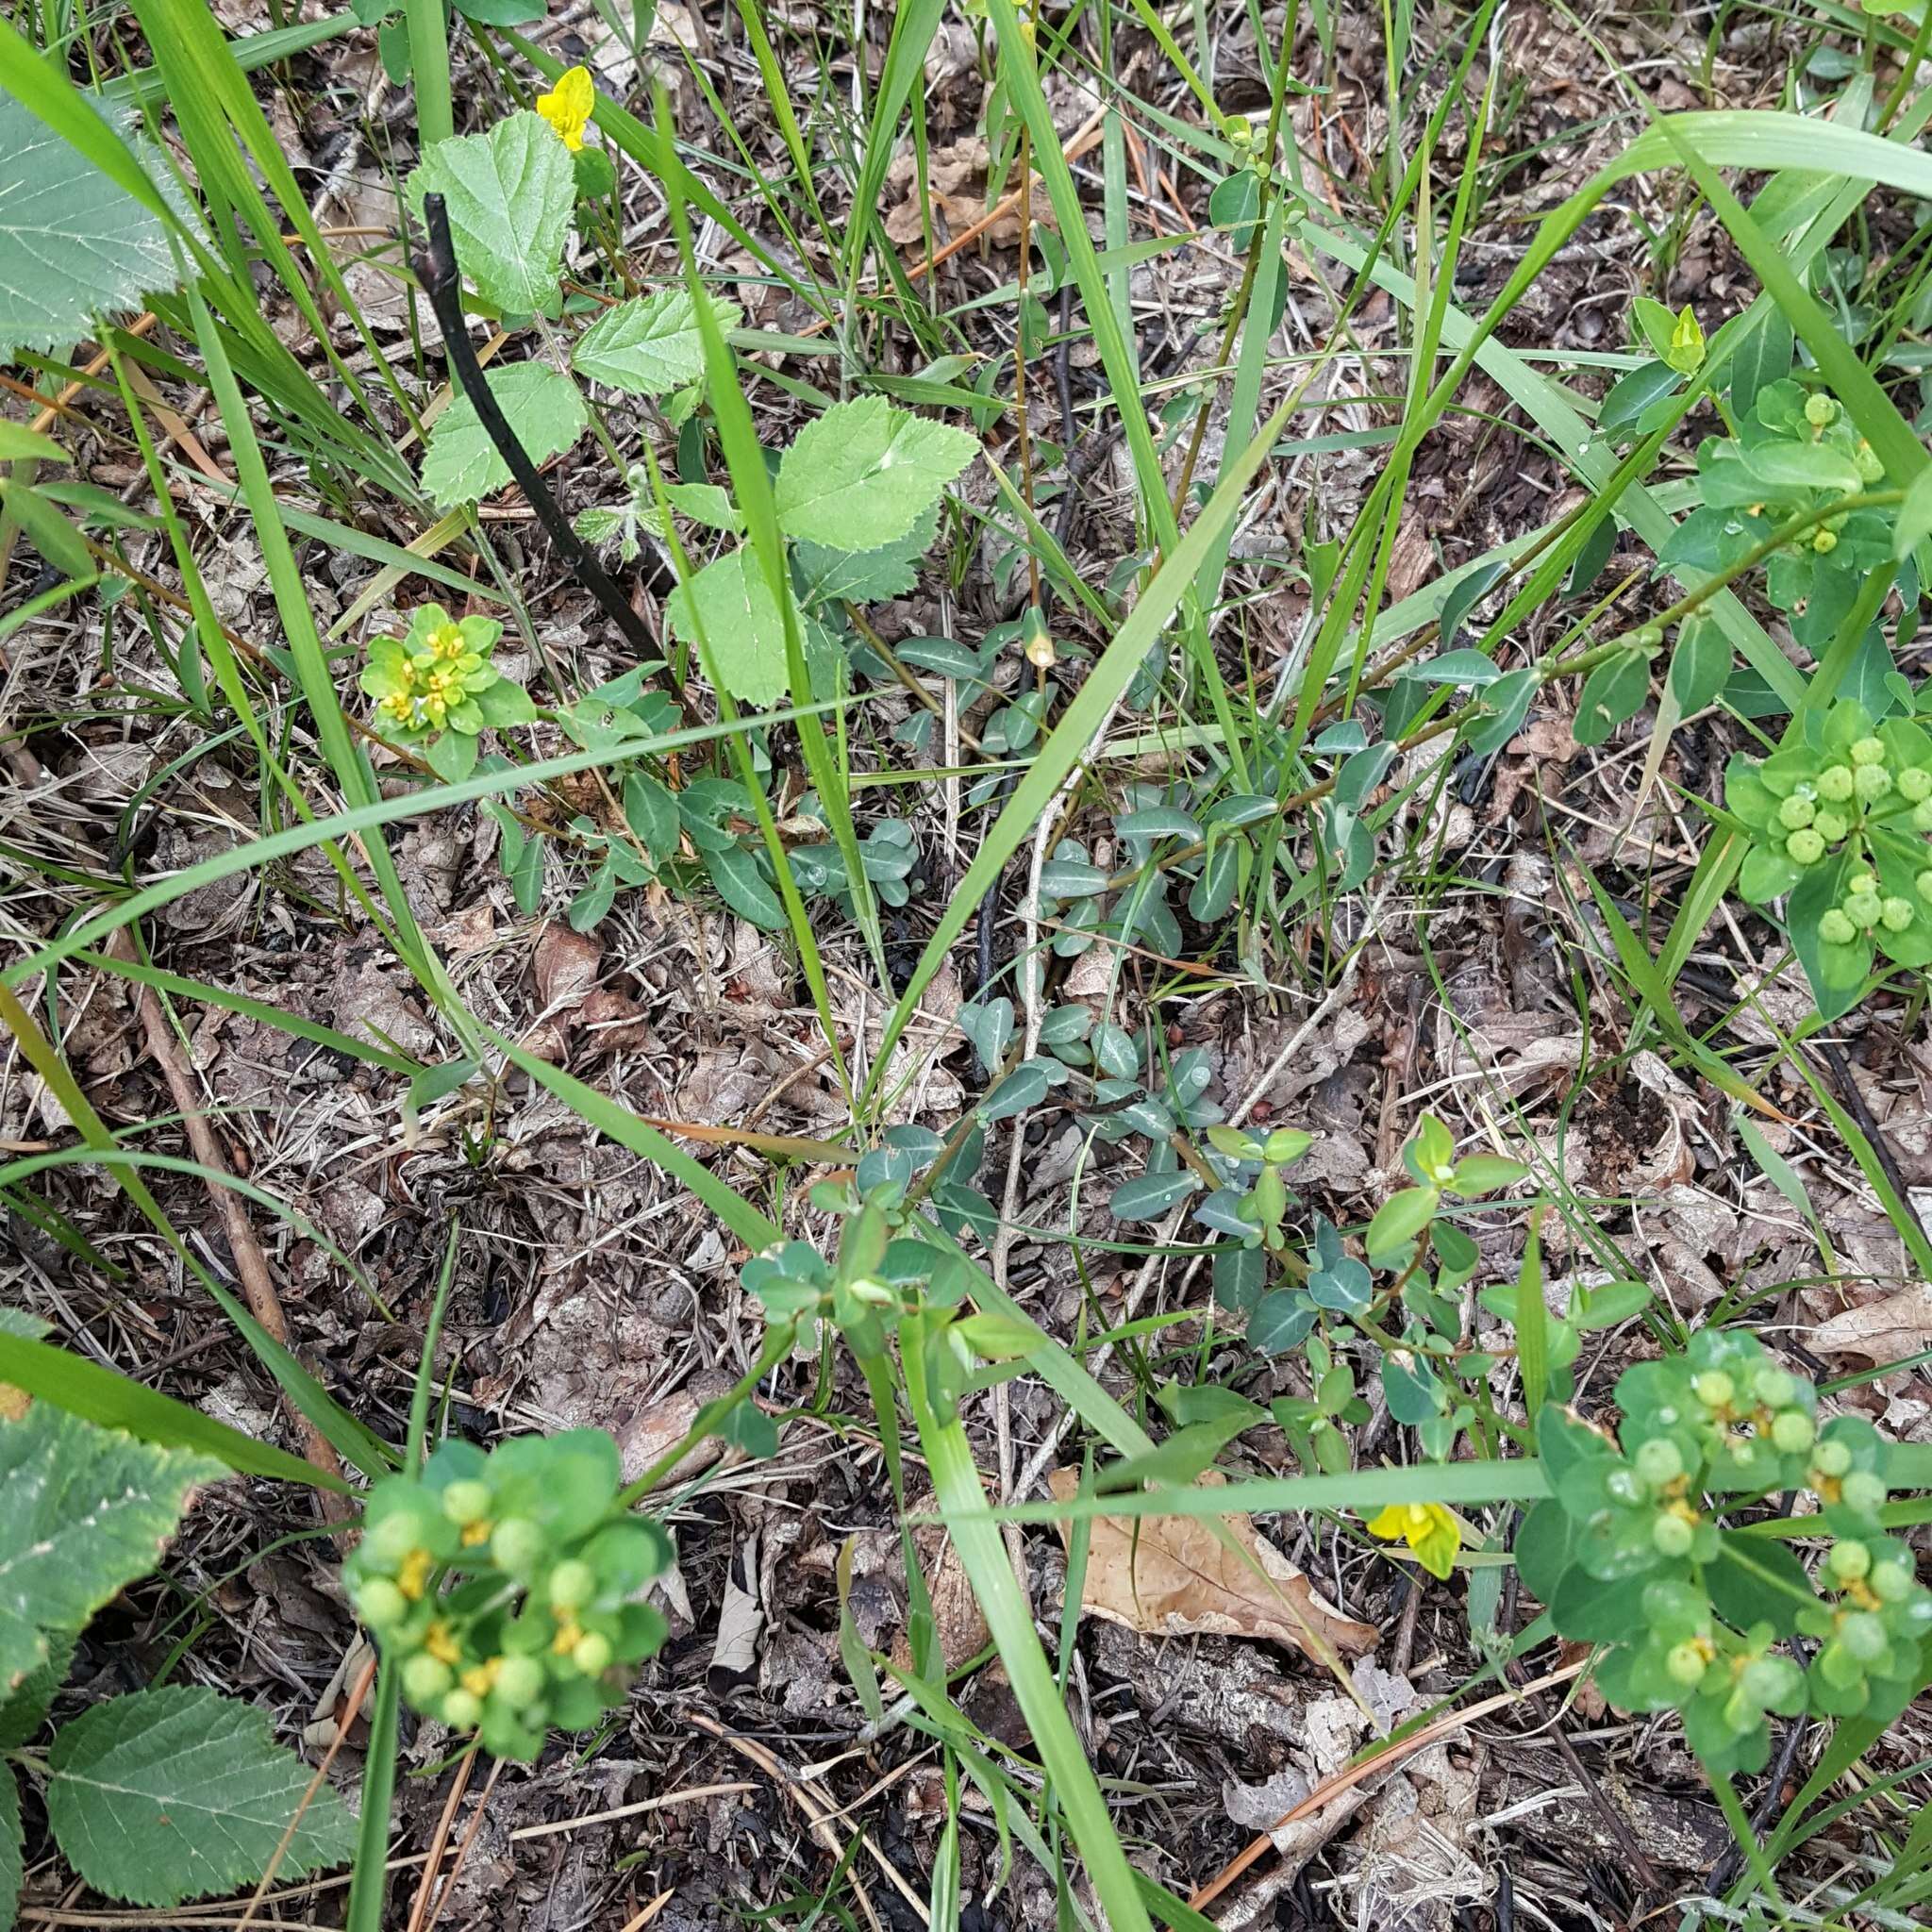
<point>394,1538</point>
<point>519,1681</point>
<point>591,1654</point>
<point>1823,542</point>
<point>1819,410</point>
<point>1848,1561</point>
<point>1891,1582</point>
<point>1684,1664</point>
<point>1832,1457</point>
<point>1793,1432</point>
<point>1864,910</point>
<point>571,1585</point>
<point>462,1711</point>
<point>1795,811</point>
<point>1895,914</point>
<point>1869,751</point>
<point>1831,827</point>
<point>1871,464</point>
<point>1671,1536</point>
<point>1775,1388</point>
<point>1658,1461</point>
<point>425,1678</point>
<point>380,1604</point>
<point>1804,846</point>
<point>1873,783</point>
<point>517,1545</point>
<point>466,1502</point>
<point>1835,930</point>
<point>1864,1492</point>
<point>1834,783</point>
<point>1714,1388</point>
<point>1915,785</point>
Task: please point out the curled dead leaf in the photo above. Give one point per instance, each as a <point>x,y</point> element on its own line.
<point>1177,1578</point>
<point>956,190</point>
<point>1881,1331</point>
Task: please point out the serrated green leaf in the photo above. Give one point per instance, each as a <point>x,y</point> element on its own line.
<point>75,244</point>
<point>88,1510</point>
<point>650,344</point>
<point>181,1793</point>
<point>509,193</point>
<point>863,473</point>
<point>844,576</point>
<point>542,407</point>
<point>742,625</point>
<point>25,1710</point>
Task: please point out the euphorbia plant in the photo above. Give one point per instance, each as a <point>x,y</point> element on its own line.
<point>506,1587</point>
<point>1839,829</point>
<point>1639,1549</point>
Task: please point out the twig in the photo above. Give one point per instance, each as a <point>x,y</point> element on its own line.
<point>437,268</point>
<point>251,1264</point>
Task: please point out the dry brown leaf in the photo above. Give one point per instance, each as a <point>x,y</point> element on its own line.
<point>956,187</point>
<point>565,965</point>
<point>1178,1580</point>
<point>1881,1331</point>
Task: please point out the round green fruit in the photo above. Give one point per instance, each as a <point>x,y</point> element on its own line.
<point>1895,914</point>
<point>1671,1536</point>
<point>1823,542</point>
<point>1863,1491</point>
<point>1835,930</point>
<point>1830,825</point>
<point>1819,410</point>
<point>591,1654</point>
<point>462,1711</point>
<point>1869,751</point>
<point>394,1536</point>
<point>572,1584</point>
<point>1795,811</point>
<point>1775,1388</point>
<point>1714,1388</point>
<point>466,1502</point>
<point>1684,1664</point>
<point>1658,1461</point>
<point>519,1681</point>
<point>380,1604</point>
<point>517,1545</point>
<point>1848,1561</point>
<point>1804,846</point>
<point>1915,785</point>
<point>425,1678</point>
<point>1832,1457</point>
<point>1873,782</point>
<point>1891,1581</point>
<point>1793,1432</point>
<point>1864,910</point>
<point>1835,783</point>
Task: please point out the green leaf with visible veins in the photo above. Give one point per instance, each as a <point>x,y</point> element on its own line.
<point>650,345</point>
<point>743,626</point>
<point>88,1510</point>
<point>180,1793</point>
<point>73,244</point>
<point>543,408</point>
<point>861,476</point>
<point>834,577</point>
<point>510,195</point>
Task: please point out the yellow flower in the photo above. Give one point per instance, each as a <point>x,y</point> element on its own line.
<point>1427,1528</point>
<point>568,106</point>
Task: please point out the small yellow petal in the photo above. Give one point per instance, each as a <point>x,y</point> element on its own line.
<point>569,106</point>
<point>1392,1525</point>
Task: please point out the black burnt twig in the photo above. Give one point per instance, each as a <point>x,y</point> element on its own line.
<point>437,269</point>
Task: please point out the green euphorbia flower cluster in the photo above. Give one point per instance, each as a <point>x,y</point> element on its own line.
<point>1633,1550</point>
<point>1838,828</point>
<point>437,683</point>
<point>505,1586</point>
